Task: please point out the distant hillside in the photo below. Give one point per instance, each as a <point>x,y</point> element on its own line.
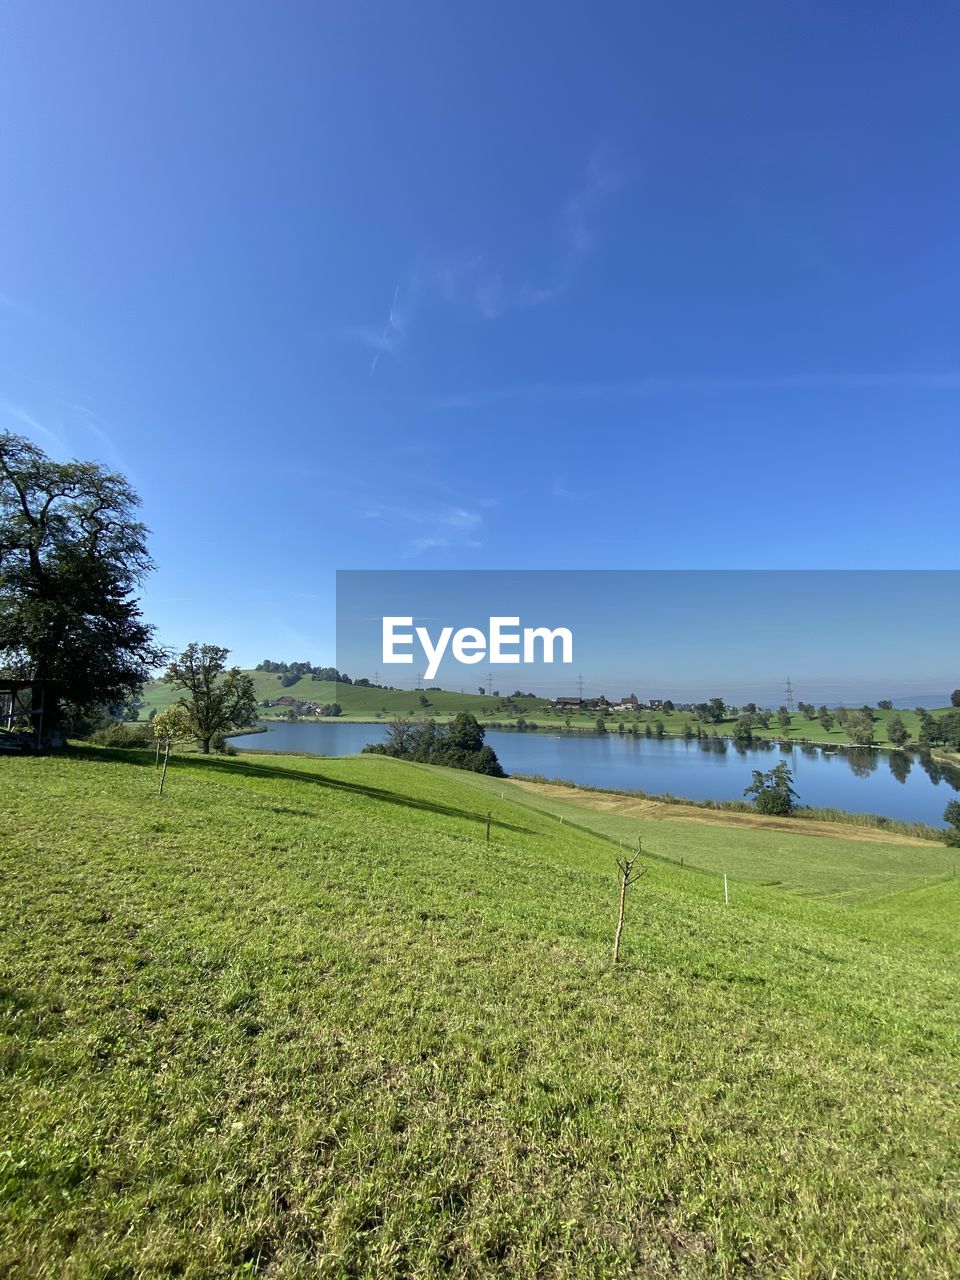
<point>359,702</point>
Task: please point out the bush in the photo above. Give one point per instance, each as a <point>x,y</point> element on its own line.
<point>117,734</point>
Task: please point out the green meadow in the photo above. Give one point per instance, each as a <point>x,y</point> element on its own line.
<point>358,702</point>
<point>300,1017</point>
<point>361,703</point>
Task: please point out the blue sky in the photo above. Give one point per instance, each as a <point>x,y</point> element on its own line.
<point>486,286</point>
<point>683,634</point>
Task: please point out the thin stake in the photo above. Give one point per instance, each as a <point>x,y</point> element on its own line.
<point>166,757</point>
<point>488,826</point>
<point>726,890</point>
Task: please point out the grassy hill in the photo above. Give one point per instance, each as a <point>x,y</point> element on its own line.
<point>298,1018</point>
<point>357,701</point>
<point>361,703</point>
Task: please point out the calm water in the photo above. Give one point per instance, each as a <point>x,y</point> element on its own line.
<point>912,788</point>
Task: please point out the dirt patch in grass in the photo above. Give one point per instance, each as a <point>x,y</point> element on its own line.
<point>634,806</point>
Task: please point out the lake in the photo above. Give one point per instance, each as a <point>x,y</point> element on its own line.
<point>903,785</point>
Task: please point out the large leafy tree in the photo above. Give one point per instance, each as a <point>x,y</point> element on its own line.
<point>215,699</point>
<point>72,554</point>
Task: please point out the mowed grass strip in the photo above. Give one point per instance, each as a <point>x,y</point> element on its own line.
<point>298,1018</point>
<point>835,860</point>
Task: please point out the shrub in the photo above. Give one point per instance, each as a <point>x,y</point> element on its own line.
<point>117,734</point>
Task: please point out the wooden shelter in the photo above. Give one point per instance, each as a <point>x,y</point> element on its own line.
<point>21,714</point>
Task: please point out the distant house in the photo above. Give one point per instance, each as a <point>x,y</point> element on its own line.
<point>627,704</point>
<point>568,704</point>
<point>286,701</point>
<point>656,704</point>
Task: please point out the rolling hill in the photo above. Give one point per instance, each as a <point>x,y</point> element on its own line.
<point>301,1018</point>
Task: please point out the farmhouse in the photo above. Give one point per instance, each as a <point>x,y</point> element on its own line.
<point>568,704</point>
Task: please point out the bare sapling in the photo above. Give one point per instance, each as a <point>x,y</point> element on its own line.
<point>630,873</point>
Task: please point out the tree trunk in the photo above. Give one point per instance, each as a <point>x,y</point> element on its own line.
<point>623,903</point>
<point>205,746</point>
<point>166,760</point>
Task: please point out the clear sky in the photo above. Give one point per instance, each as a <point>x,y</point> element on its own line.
<point>458,286</point>
<point>684,634</point>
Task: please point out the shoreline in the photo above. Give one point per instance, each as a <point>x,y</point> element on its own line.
<point>590,731</point>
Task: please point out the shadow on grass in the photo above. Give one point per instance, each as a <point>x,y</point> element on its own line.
<point>141,756</point>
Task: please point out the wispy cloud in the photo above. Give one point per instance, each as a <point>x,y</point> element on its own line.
<point>568,493</point>
<point>481,284</point>
<point>572,242</point>
<point>653,387</point>
<point>386,339</point>
<point>430,529</point>
<point>15,415</point>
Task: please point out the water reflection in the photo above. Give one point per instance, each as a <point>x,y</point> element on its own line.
<point>939,771</point>
<point>862,760</point>
<point>900,765</point>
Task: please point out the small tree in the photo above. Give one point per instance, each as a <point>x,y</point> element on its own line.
<point>955,698</point>
<point>215,699</point>
<point>897,731</point>
<point>743,729</point>
<point>859,728</point>
<point>951,814</point>
<point>629,874</point>
<point>785,719</point>
<point>773,791</point>
<point>172,723</point>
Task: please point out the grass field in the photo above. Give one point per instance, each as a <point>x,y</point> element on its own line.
<point>361,703</point>
<point>298,1018</point>
<point>358,701</point>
